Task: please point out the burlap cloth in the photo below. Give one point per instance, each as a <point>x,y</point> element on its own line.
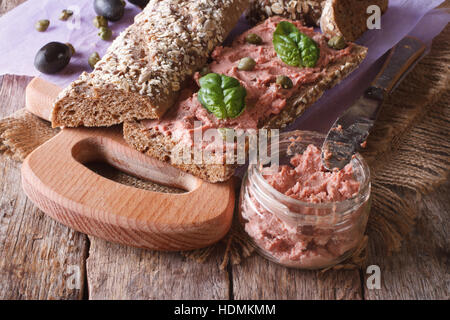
<point>408,153</point>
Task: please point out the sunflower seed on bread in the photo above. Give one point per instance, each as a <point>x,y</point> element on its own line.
<point>143,71</point>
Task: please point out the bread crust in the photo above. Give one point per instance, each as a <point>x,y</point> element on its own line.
<point>347,18</point>
<point>148,63</point>
<point>157,145</point>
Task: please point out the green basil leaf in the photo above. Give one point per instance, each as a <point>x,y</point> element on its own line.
<point>234,99</point>
<point>293,47</point>
<point>287,50</point>
<point>212,100</point>
<point>309,51</point>
<point>229,82</point>
<point>221,95</point>
<point>210,80</point>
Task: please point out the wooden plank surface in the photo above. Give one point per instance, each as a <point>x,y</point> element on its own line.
<point>119,272</point>
<point>421,270</point>
<point>6,5</point>
<point>257,278</point>
<point>38,255</point>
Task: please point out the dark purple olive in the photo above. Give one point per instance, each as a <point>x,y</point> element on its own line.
<point>52,58</point>
<point>110,9</point>
<point>140,3</point>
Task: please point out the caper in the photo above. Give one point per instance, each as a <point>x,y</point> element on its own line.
<point>204,71</point>
<point>337,42</point>
<point>65,15</point>
<point>284,82</point>
<point>72,49</point>
<point>42,25</point>
<point>246,64</point>
<point>253,38</point>
<point>93,59</point>
<point>105,33</point>
<point>100,21</point>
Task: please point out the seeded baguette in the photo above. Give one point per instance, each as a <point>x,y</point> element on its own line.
<point>157,145</point>
<point>308,11</point>
<point>347,18</point>
<point>143,70</point>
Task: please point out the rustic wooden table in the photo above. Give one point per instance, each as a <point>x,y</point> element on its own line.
<point>40,258</point>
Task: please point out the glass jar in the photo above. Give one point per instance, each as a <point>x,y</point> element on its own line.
<point>301,234</point>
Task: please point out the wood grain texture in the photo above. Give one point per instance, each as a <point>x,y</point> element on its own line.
<point>6,5</point>
<point>12,97</point>
<point>37,255</point>
<point>119,272</point>
<point>421,270</point>
<point>257,278</point>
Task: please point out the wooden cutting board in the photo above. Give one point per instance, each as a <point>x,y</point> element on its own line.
<point>55,178</point>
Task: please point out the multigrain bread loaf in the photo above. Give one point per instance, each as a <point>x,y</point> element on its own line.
<point>142,72</point>
<point>308,11</point>
<point>163,145</point>
<point>347,18</point>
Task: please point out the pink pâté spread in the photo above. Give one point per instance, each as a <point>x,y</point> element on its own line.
<point>309,181</point>
<point>264,97</point>
<point>306,245</point>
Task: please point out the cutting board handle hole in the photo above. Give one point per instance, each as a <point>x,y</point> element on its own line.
<point>109,162</point>
<point>107,171</point>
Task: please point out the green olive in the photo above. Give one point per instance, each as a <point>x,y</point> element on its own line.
<point>284,82</point>
<point>100,21</point>
<point>337,42</point>
<point>72,49</point>
<point>42,25</point>
<point>65,15</point>
<point>246,64</point>
<point>105,33</point>
<point>93,59</point>
<point>253,38</point>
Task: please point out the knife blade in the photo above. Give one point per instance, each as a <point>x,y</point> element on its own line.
<point>352,128</point>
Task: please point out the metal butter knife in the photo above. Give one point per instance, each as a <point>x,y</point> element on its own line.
<point>352,128</point>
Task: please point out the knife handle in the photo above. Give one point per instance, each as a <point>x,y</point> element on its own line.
<point>400,61</point>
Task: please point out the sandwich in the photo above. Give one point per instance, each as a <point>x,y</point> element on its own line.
<point>290,67</point>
